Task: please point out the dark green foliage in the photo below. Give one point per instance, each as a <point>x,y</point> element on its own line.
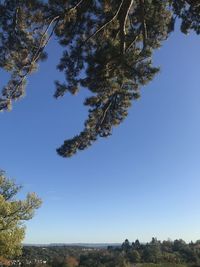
<point>108,47</point>
<point>153,254</point>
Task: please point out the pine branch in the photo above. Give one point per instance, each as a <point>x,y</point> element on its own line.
<point>42,46</point>
<point>123,16</point>
<point>106,23</point>
<point>144,26</point>
<point>15,18</point>
<point>131,44</point>
<point>77,5</point>
<point>105,111</point>
<point>37,54</point>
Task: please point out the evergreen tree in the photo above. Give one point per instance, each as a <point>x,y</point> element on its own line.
<point>126,246</point>
<point>108,47</point>
<point>12,214</point>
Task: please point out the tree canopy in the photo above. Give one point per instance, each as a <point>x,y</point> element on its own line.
<point>108,48</point>
<point>12,215</point>
<point>156,253</point>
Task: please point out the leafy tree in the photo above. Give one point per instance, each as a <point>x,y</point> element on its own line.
<point>152,251</point>
<point>108,47</point>
<point>167,246</point>
<point>12,214</point>
<point>136,245</point>
<point>126,245</point>
<point>179,244</point>
<point>134,256</point>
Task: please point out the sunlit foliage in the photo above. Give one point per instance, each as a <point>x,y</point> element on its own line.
<point>12,215</point>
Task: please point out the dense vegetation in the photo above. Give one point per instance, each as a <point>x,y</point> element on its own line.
<point>108,47</point>
<point>153,254</point>
<point>13,213</point>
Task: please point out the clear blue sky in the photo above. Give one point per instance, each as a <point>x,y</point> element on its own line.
<point>143,181</point>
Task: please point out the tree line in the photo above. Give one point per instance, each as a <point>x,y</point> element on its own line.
<point>158,253</point>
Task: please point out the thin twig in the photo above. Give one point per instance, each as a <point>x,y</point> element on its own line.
<point>106,23</point>
<point>123,16</point>
<point>130,45</point>
<point>144,26</point>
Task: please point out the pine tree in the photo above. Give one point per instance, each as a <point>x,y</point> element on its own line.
<point>108,47</point>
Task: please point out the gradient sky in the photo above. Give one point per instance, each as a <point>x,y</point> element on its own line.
<point>141,182</point>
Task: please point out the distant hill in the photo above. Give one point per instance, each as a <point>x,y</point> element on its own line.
<point>81,245</point>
